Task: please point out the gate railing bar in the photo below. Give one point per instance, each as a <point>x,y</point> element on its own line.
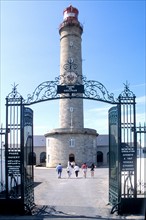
<point>140,132</point>
<point>1,160</point>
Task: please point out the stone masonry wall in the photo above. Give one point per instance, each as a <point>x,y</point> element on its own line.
<point>59,149</point>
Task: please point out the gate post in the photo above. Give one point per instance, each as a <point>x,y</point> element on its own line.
<point>18,176</point>
<point>127,200</point>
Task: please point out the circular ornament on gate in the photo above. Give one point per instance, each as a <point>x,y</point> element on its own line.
<point>70,77</point>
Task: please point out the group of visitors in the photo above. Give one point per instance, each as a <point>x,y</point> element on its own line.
<point>73,167</point>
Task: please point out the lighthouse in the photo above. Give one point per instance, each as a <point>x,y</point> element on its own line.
<point>71,141</point>
<point>70,30</point>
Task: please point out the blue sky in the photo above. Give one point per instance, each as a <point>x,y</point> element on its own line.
<point>113,52</point>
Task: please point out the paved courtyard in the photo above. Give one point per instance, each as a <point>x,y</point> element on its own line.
<point>74,198</point>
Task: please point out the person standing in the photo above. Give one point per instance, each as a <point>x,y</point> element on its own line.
<point>92,169</point>
<point>76,169</point>
<point>72,164</point>
<point>84,169</point>
<point>69,171</point>
<point>59,170</point>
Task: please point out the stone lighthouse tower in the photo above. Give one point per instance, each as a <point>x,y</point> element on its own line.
<point>71,142</point>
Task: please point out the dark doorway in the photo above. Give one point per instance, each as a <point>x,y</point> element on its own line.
<point>71,157</point>
<point>99,158</point>
<point>43,157</point>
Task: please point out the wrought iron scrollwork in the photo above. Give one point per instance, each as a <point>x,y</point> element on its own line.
<point>45,91</point>
<point>70,65</point>
<point>128,185</point>
<point>92,90</point>
<point>14,187</point>
<point>97,91</point>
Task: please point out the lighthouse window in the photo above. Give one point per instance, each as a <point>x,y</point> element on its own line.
<point>48,142</point>
<point>94,143</point>
<point>72,142</point>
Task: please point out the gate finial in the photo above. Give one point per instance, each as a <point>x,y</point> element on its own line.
<point>14,93</point>
<point>126,87</point>
<point>14,89</point>
<point>126,92</point>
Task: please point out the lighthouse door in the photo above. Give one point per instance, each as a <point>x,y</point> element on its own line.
<point>71,157</point>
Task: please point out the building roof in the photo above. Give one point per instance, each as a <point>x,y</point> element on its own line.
<point>103,140</point>
<point>39,141</point>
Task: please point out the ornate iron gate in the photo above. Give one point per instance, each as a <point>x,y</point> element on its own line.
<point>17,194</point>
<point>123,156</point>
<point>126,191</point>
<point>114,177</point>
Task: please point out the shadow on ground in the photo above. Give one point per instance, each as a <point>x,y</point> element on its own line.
<point>36,184</point>
<point>50,211</point>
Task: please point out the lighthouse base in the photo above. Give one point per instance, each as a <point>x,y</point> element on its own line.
<point>63,145</point>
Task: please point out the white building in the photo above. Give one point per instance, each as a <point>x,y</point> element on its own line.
<point>39,142</point>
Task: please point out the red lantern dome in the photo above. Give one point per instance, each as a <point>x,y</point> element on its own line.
<point>70,13</point>
<point>70,18</point>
